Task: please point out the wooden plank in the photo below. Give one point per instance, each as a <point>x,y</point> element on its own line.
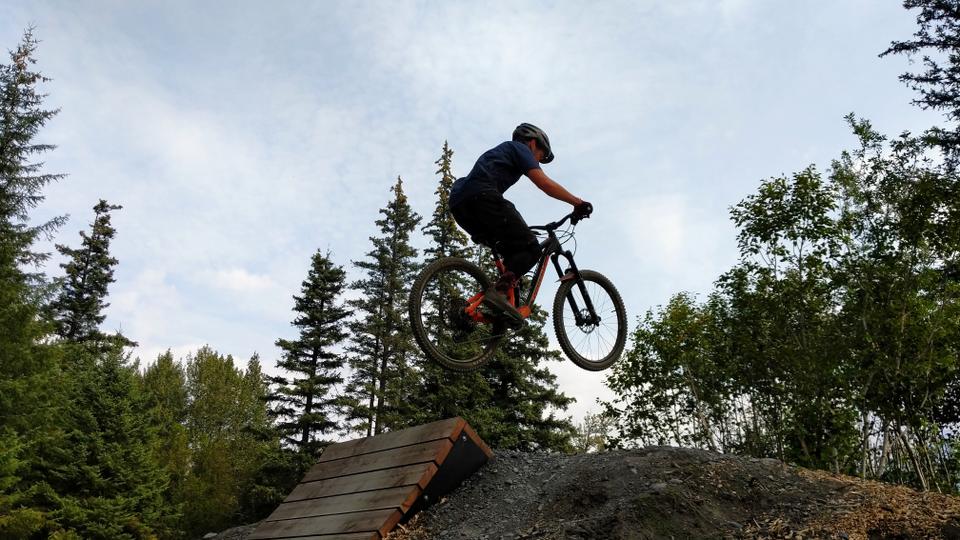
<point>435,451</point>
<point>366,522</point>
<point>419,475</point>
<point>399,498</point>
<point>442,429</point>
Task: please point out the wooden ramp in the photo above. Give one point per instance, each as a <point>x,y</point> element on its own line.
<point>361,489</point>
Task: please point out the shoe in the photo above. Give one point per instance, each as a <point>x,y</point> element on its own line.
<point>496,300</point>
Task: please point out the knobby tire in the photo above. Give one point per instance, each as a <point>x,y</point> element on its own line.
<point>615,307</point>
<point>420,331</point>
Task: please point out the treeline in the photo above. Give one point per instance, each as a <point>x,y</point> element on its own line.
<point>834,342</point>
<point>94,445</point>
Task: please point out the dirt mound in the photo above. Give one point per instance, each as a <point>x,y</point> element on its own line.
<point>662,492</point>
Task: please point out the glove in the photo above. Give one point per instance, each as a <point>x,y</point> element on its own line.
<point>581,211</point>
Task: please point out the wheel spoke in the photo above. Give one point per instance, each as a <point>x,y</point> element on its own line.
<point>596,343</point>
<point>445,332</point>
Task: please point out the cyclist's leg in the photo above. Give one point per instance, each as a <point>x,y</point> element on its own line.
<point>494,219</point>
<point>475,216</point>
<point>516,241</point>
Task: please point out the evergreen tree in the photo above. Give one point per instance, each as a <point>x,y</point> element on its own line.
<point>384,379</point>
<point>21,178</point>
<point>78,308</point>
<point>525,398</point>
<point>447,393</point>
<point>305,402</point>
<point>30,397</point>
<point>111,487</point>
<point>938,40</point>
<point>24,363</point>
<point>446,239</point>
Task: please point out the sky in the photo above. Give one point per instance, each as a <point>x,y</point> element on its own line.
<point>240,137</point>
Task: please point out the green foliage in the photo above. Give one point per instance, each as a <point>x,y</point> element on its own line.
<point>305,406</point>
<point>592,434</point>
<point>78,307</point>
<point>445,238</point>
<point>512,402</point>
<point>21,179</point>
<point>16,519</point>
<point>937,39</point>
<point>164,389</point>
<point>525,399</point>
<point>834,341</point>
<point>31,398</point>
<point>109,486</point>
<point>384,379</point>
<point>670,385</point>
<point>226,417</point>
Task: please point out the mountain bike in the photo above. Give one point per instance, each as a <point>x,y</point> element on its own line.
<point>455,329</point>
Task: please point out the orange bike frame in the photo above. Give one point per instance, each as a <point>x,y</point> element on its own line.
<point>551,249</point>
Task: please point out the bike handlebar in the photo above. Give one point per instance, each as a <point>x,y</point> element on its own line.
<point>557,224</point>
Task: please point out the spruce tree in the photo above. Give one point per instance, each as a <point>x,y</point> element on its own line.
<point>305,401</point>
<point>526,401</point>
<point>78,308</point>
<point>384,379</point>
<point>112,486</point>
<point>23,361</point>
<point>30,397</point>
<point>21,177</point>
<point>446,239</point>
<point>447,393</point>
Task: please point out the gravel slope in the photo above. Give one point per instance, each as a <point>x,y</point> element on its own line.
<point>663,492</point>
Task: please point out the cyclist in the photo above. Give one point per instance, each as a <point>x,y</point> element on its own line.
<point>478,206</point>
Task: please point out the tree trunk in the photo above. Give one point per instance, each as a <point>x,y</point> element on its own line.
<point>865,441</point>
<point>885,451</point>
<point>381,390</point>
<point>913,459</point>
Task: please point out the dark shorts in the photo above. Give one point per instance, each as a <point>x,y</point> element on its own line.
<point>492,220</point>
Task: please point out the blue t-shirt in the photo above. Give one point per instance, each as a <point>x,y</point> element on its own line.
<point>496,170</point>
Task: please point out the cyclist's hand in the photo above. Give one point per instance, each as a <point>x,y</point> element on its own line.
<point>581,211</point>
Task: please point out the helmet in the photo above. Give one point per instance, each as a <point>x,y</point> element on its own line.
<point>525,132</point>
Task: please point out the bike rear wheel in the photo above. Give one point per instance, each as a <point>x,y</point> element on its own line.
<point>445,333</point>
<point>593,344</point>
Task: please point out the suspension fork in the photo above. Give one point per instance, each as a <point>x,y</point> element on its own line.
<point>574,273</point>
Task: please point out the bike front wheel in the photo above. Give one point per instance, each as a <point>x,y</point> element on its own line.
<point>593,343</point>
<point>446,333</point>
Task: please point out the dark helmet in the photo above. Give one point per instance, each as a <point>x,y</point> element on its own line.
<point>525,132</point>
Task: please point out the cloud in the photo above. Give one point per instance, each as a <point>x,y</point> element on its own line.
<point>661,229</point>
<point>241,140</point>
<point>240,280</point>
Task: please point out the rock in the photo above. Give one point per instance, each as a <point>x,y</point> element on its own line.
<point>210,535</point>
<point>659,487</point>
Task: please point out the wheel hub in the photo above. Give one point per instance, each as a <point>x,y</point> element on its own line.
<point>587,322</point>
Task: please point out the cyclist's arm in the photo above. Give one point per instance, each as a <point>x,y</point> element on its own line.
<point>551,188</point>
